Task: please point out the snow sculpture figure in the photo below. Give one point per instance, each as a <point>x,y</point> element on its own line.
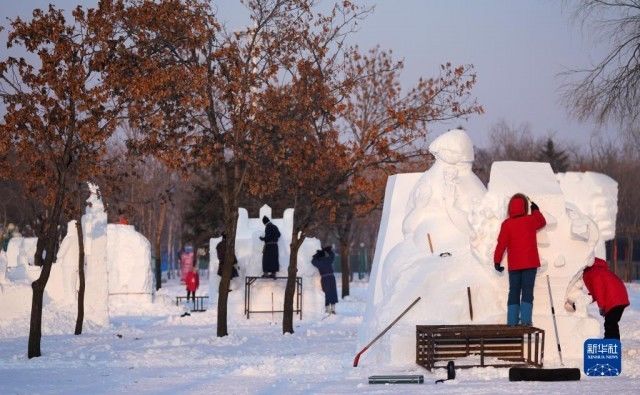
<point>449,205</point>
<point>436,217</point>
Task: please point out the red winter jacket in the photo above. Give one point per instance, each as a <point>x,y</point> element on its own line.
<point>193,281</point>
<point>604,286</point>
<point>518,236</point>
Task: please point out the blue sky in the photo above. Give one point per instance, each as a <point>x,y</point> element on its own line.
<point>518,49</point>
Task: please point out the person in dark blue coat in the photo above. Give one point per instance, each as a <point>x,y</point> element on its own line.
<point>323,260</point>
<point>270,262</point>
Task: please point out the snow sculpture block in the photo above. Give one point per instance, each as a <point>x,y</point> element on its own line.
<point>396,194</point>
<point>94,228</point>
<point>130,276</point>
<point>594,195</point>
<point>248,247</point>
<point>63,282</point>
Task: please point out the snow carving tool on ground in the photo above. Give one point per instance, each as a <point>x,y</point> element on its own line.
<point>397,379</point>
<point>536,374</point>
<point>357,358</point>
<point>555,325</point>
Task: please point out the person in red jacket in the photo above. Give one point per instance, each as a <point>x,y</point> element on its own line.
<point>608,291</point>
<point>518,237</point>
<point>193,282</point>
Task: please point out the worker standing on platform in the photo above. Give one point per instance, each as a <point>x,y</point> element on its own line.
<point>270,261</point>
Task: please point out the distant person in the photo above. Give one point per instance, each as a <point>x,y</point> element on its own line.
<point>187,261</point>
<point>323,260</point>
<point>607,290</point>
<point>270,262</point>
<point>221,252</point>
<point>10,232</point>
<point>518,238</point>
<point>122,219</point>
<point>192,282</point>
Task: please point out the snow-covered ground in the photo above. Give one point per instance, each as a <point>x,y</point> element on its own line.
<point>158,352</point>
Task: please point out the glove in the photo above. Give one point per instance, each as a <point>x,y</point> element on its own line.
<point>534,207</point>
<point>499,268</point>
<point>570,306</point>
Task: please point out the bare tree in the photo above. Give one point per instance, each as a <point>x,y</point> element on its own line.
<point>610,89</point>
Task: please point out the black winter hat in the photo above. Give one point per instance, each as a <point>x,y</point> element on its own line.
<point>265,220</point>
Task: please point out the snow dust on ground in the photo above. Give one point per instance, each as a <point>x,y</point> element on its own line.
<point>159,352</point>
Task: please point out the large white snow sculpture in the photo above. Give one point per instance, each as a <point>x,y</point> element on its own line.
<point>249,255</point>
<point>449,203</point>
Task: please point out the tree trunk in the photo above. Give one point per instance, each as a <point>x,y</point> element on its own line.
<point>344,238</point>
<point>170,248</point>
<point>231,223</point>
<point>290,289</point>
<point>159,228</point>
<point>80,317</point>
<point>345,268</point>
<point>627,271</point>
<point>48,244</point>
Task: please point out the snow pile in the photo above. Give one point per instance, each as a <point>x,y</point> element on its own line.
<point>448,210</point>
<point>267,294</point>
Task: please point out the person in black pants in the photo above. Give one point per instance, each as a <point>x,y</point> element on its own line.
<point>323,260</point>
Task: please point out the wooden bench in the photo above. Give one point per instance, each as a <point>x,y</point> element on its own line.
<point>198,303</point>
<point>507,346</point>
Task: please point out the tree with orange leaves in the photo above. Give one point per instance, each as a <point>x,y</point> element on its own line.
<point>191,88</point>
<point>58,119</point>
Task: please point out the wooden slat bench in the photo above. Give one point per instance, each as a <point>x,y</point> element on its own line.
<point>511,345</point>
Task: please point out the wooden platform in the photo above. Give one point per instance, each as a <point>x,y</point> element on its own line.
<point>506,346</point>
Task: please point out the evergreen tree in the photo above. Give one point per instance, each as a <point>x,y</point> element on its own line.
<point>558,159</point>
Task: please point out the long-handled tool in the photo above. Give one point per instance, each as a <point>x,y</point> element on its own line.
<point>357,358</point>
<point>555,325</point>
<point>470,305</point>
<point>430,244</point>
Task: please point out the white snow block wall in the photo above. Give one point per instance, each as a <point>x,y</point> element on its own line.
<point>450,204</point>
<point>62,286</point>
<point>129,267</point>
<point>94,228</point>
<point>249,254</point>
